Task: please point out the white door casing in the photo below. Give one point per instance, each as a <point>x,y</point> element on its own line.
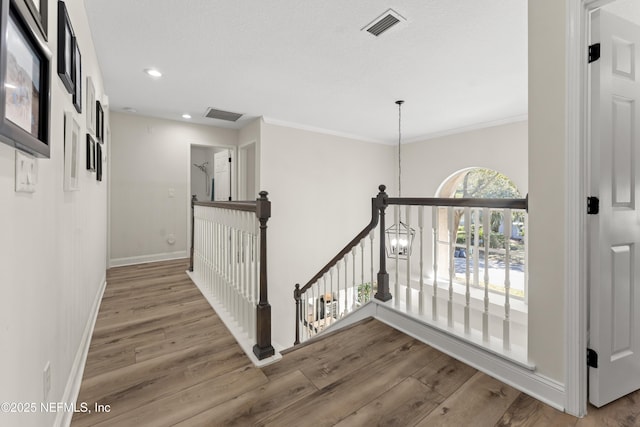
<point>222,176</point>
<point>614,233</point>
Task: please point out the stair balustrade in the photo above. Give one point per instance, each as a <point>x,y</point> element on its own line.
<point>229,263</point>
<point>462,268</point>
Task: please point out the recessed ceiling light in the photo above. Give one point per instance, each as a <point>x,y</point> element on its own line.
<point>186,116</point>
<point>153,72</point>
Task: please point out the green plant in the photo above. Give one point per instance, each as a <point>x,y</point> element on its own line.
<point>364,292</point>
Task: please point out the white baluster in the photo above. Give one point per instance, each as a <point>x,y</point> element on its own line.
<point>365,298</point>
<point>507,282</point>
<point>407,211</point>
<point>315,320</point>
<point>486,235</point>
<point>324,300</point>
<point>421,292</point>
<point>329,310</point>
<point>467,295</point>
<point>526,258</point>
<point>346,283</point>
<point>338,265</point>
<point>476,250</point>
<point>436,236</point>
<point>372,235</point>
<point>353,283</point>
<point>304,320</point>
<point>396,286</point>
<point>452,271</point>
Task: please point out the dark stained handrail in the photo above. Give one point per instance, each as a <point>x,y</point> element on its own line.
<point>247,206</point>
<point>463,203</point>
<point>356,240</point>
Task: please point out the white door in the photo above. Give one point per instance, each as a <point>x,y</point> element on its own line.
<point>222,176</point>
<point>614,233</point>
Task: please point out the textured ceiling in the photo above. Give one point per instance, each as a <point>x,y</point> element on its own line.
<point>457,64</point>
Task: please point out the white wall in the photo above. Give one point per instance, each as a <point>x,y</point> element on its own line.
<point>53,254</point>
<point>320,187</point>
<point>547,192</point>
<point>427,164</point>
<point>150,185</point>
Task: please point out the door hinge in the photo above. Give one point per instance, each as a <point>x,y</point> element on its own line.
<point>592,358</point>
<point>593,205</point>
<point>229,159</point>
<point>594,52</point>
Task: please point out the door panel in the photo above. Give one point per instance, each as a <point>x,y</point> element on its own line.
<point>222,176</point>
<point>614,233</point>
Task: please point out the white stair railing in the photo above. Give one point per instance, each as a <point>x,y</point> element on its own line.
<point>485,253</point>
<point>228,261</point>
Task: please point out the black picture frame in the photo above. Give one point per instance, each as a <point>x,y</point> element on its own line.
<point>40,11</point>
<point>25,76</point>
<point>65,47</point>
<point>99,123</point>
<point>91,153</point>
<point>77,76</point>
<point>98,162</point>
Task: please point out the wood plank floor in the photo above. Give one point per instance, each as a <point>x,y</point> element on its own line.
<point>160,356</point>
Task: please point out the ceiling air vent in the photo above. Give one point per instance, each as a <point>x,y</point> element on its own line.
<point>212,113</point>
<point>383,22</point>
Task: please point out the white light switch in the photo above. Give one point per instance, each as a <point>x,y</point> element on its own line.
<point>26,173</point>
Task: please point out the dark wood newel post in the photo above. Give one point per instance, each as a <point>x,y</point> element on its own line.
<point>194,199</point>
<point>297,297</point>
<point>383,293</point>
<point>263,347</point>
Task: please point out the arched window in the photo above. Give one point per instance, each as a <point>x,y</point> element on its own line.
<point>479,183</point>
<point>482,183</point>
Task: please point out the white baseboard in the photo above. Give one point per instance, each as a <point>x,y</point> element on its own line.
<point>143,259</point>
<point>74,381</point>
<point>240,336</point>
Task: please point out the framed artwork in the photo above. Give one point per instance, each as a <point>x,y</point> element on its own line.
<point>99,122</point>
<point>98,162</point>
<point>71,152</point>
<point>91,153</point>
<point>77,77</point>
<point>65,47</point>
<point>91,111</point>
<point>25,74</point>
<point>39,11</point>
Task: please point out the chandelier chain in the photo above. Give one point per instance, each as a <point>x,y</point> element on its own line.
<point>399,144</point>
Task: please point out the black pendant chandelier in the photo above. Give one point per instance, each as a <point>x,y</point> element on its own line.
<point>399,237</point>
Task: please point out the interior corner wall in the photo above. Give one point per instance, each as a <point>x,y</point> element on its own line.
<point>53,254</point>
<point>547,185</point>
<point>150,200</point>
<point>320,187</point>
